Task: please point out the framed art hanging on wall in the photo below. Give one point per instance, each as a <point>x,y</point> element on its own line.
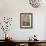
<point>26,20</point>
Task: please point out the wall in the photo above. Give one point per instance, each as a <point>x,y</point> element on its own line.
<point>13,8</point>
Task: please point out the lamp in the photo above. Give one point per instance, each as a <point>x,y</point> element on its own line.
<point>36,3</point>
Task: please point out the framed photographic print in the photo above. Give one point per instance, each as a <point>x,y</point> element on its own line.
<point>26,20</point>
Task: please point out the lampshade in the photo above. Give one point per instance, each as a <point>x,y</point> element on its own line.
<point>36,3</point>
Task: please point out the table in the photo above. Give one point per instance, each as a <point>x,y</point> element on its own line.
<point>26,42</point>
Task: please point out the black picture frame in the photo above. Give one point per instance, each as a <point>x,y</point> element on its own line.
<point>26,20</point>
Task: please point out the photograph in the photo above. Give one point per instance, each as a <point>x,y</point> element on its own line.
<point>26,20</point>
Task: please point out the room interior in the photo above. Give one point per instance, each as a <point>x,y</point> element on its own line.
<point>22,23</point>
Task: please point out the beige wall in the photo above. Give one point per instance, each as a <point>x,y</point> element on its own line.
<point>13,8</point>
